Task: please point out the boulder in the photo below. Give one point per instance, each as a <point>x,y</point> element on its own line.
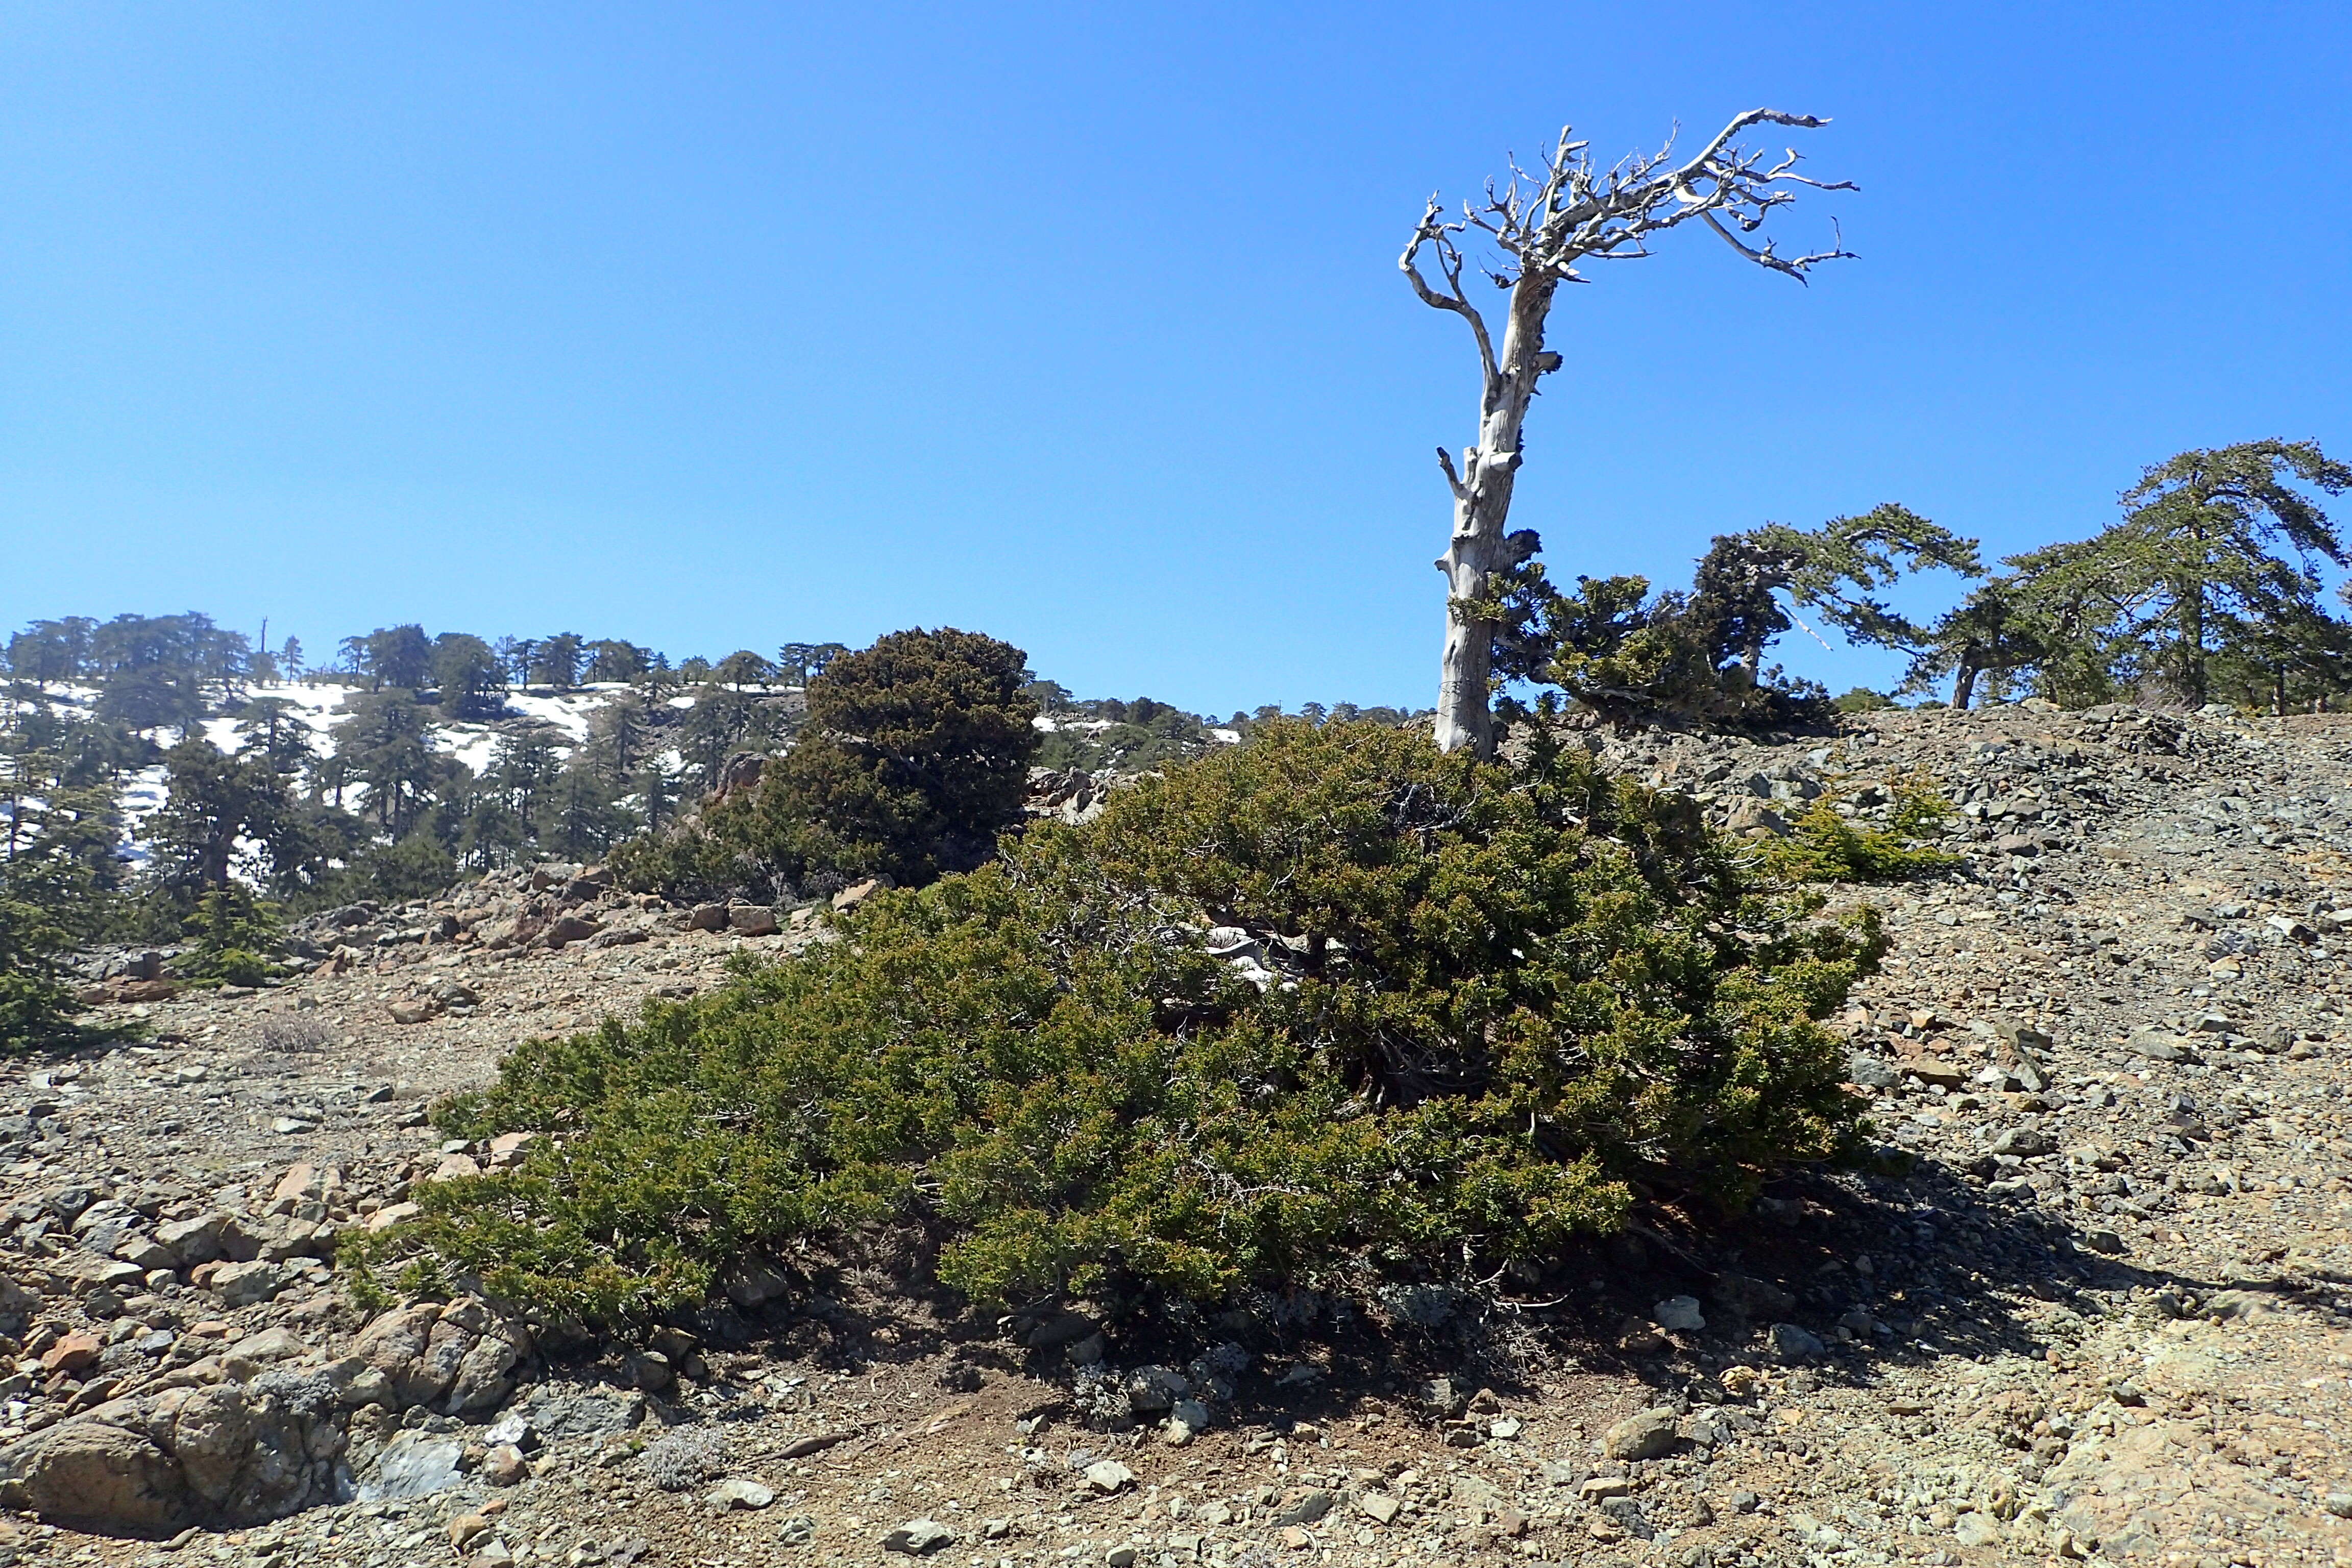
<point>499,935</point>
<point>856,893</point>
<point>144,1252</point>
<point>357,1384</point>
<point>1870,1071</point>
<point>391,1214</point>
<point>303,1181</point>
<point>2022,1037</point>
<point>1753,817</point>
<point>394,1344</point>
<point>507,1149</point>
<point>1154,1390</point>
<point>243,1284</point>
<point>756,1285</point>
<point>918,1538</point>
<point>1648,1436</point>
<point>483,1377</point>
<point>1108,1476</point>
<point>1060,1329</point>
<point>2157,1046</point>
<point>96,1477</point>
<point>1791,1342</point>
<point>74,1354</point>
<point>212,1434</point>
<point>413,1465</point>
<point>1679,1315</point>
<point>738,1493</point>
<point>454,1166</point>
<point>1932,1070</point>
<point>192,1241</point>
<point>751,919</point>
<point>85,1272</point>
<point>1187,1419</point>
<point>278,1343</point>
<point>569,928</point>
<point>241,1240</point>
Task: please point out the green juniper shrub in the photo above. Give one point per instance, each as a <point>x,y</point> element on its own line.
<point>915,757</point>
<point>1330,1007</point>
<point>1824,847</point>
<point>232,935</point>
<point>37,1009</point>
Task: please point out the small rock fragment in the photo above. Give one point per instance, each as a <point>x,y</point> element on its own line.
<point>738,1492</point>
<point>918,1538</point>
<point>1108,1475</point>
<point>1646,1435</point>
<point>1679,1315</point>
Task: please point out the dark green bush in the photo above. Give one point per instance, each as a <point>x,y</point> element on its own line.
<point>37,1007</point>
<point>229,933</point>
<point>37,1013</point>
<point>1492,996</point>
<point>916,756</point>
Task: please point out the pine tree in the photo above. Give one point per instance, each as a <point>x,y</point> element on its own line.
<point>2216,557</point>
<point>523,764</point>
<point>468,676</point>
<point>613,661</point>
<point>213,805</point>
<point>518,654</point>
<point>1994,632</point>
<point>1698,656</point>
<point>557,660</point>
<point>275,728</point>
<point>743,668</point>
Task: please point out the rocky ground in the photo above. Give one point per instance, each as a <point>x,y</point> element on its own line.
<point>2088,1301</point>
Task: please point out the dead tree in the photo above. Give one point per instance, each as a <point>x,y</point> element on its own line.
<point>1545,223</point>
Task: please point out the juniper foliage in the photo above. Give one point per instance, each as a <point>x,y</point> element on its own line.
<point>1474,1003</point>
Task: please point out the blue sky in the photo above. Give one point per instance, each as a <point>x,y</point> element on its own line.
<point>715,326</point>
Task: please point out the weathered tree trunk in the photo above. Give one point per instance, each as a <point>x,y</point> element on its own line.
<point>1544,223</point>
<point>1964,684</point>
<point>1479,548</point>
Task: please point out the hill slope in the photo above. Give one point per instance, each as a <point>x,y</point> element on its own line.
<point>2091,1300</point>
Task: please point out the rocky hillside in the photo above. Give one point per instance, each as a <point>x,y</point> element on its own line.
<point>2087,1299</point>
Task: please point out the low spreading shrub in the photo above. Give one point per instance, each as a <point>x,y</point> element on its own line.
<point>1332,1007</point>
<point>1823,846</point>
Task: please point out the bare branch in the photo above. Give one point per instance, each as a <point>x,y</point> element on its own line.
<point>1438,234</point>
<point>1452,480</point>
<point>1795,267</point>
<point>1546,222</point>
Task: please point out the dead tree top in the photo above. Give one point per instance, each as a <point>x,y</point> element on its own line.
<point>1573,210</point>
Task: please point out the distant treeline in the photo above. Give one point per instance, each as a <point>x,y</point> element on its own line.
<point>278,806</point>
